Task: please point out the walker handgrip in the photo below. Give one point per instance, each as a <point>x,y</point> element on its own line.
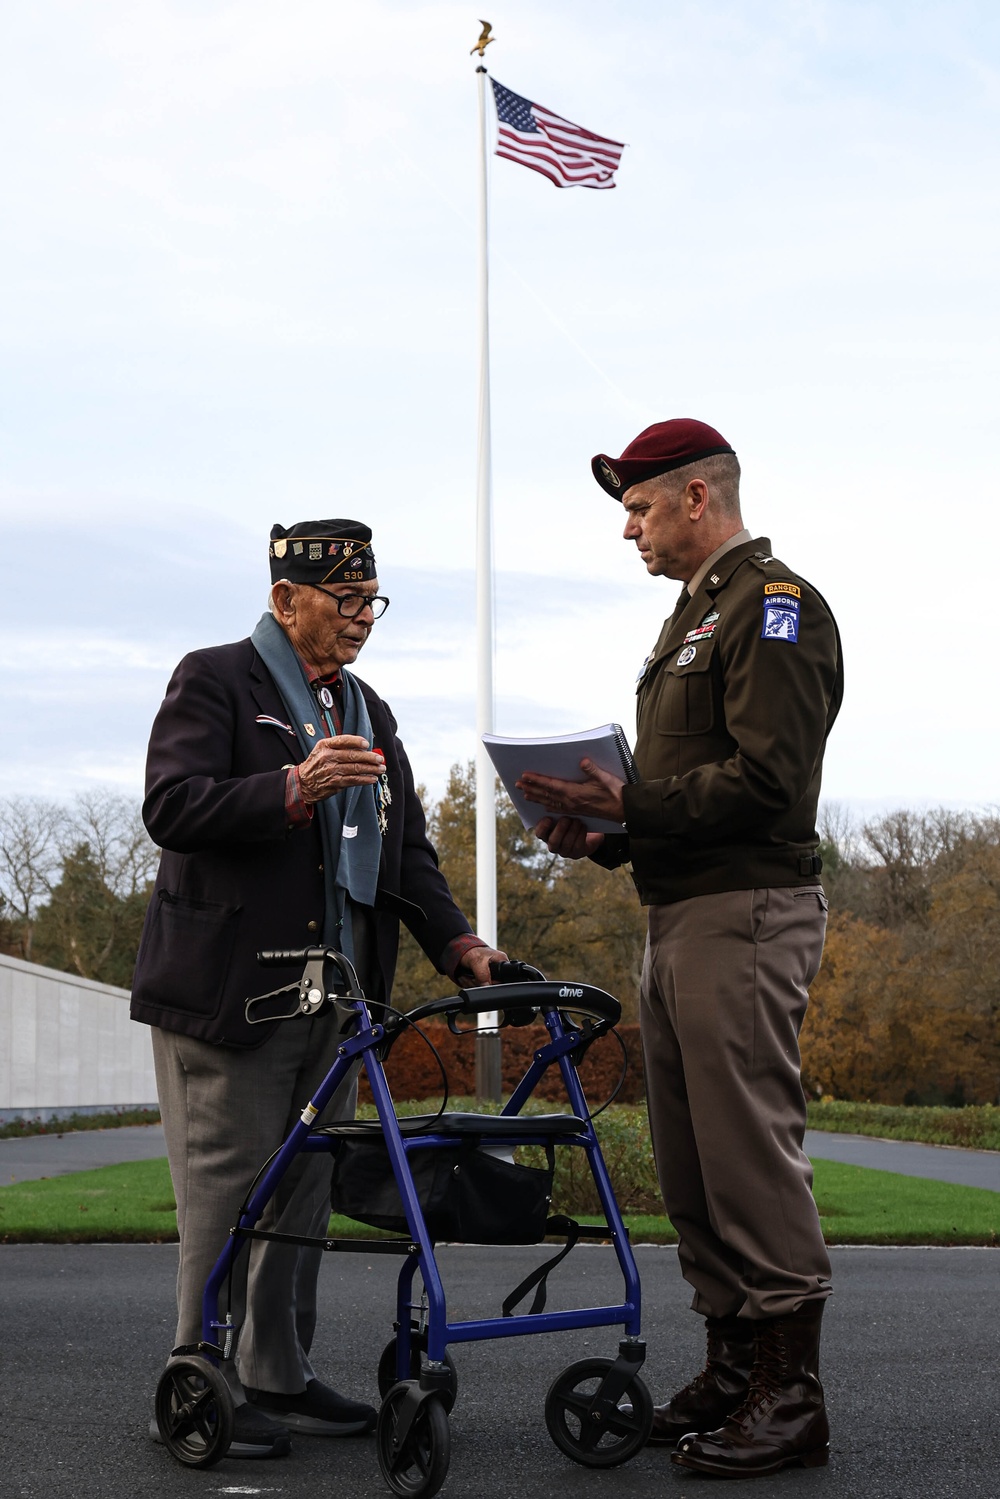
<point>579,999</point>
<point>514,972</point>
<point>282,958</point>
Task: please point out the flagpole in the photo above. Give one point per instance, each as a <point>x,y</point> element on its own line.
<point>488,1081</point>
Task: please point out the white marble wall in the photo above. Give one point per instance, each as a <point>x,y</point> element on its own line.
<point>67,1043</point>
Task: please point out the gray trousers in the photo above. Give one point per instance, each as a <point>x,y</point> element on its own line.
<point>724,991</point>
<point>224,1112</point>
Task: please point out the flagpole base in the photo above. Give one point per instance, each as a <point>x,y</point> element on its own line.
<point>488,1067</point>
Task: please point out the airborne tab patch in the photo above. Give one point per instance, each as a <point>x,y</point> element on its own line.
<point>781,613</point>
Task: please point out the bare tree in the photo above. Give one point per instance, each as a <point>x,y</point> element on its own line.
<point>839,831</point>
<point>31,839</point>
<point>111,826</point>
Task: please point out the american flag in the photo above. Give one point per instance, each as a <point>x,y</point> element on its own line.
<point>563,152</point>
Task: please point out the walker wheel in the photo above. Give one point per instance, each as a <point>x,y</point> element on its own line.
<point>418,1468</point>
<point>418,1345</point>
<point>580,1432</point>
<point>194,1412</point>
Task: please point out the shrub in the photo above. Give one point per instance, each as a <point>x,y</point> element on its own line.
<point>413,1072</point>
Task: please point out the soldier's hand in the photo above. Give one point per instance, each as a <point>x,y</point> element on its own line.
<point>599,794</point>
<point>568,837</point>
<point>335,764</point>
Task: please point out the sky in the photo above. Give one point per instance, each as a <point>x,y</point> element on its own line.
<point>238,286</point>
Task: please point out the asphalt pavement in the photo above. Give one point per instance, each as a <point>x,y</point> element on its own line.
<point>31,1157</point>
<point>943,1163</point>
<point>909,1362</point>
<point>36,1156</point>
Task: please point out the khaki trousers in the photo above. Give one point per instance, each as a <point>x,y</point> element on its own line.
<point>224,1112</point>
<point>724,991</point>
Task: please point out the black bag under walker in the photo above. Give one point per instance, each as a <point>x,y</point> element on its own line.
<point>467,1195</point>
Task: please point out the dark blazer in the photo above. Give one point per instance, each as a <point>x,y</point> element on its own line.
<point>234,876</point>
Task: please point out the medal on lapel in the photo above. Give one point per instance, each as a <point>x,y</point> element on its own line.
<point>383,798</point>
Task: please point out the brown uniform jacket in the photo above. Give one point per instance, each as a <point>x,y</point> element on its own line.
<point>734,708</point>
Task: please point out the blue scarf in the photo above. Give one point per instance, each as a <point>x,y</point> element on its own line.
<point>348,821</point>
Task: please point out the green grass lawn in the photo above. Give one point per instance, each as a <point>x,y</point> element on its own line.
<point>134,1204</point>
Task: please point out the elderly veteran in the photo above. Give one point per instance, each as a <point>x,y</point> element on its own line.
<point>285,807</point>
<point>735,702</point>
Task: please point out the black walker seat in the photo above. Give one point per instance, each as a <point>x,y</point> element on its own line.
<point>429,1178</point>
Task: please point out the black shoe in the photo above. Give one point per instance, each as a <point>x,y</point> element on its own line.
<point>254,1434</point>
<point>318,1410</point>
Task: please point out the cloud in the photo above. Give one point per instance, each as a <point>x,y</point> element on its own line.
<point>239,272</point>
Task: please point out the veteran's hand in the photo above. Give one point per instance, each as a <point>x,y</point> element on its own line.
<point>474,968</point>
<point>335,764</point>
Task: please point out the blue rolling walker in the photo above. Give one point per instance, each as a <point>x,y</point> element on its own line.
<point>445,1176</point>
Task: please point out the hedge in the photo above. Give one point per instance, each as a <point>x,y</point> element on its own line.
<point>413,1072</point>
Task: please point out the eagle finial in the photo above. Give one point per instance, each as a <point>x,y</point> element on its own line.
<point>484,38</point>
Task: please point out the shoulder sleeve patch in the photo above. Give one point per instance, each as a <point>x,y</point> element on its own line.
<point>781,613</point>
<point>792,588</point>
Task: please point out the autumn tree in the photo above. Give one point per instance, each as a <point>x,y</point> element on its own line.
<point>85,928</point>
<point>571,919</point>
<point>906,1007</point>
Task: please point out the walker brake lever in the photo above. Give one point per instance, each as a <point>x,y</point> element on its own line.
<point>310,993</point>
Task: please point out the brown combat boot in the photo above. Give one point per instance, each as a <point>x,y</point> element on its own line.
<point>705,1403</point>
<point>782,1421</point>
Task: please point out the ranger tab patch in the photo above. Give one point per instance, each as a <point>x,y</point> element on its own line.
<point>782,602</point>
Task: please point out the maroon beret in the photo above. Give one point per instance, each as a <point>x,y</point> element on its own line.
<point>662,447</point>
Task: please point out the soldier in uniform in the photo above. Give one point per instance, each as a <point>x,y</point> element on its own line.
<point>735,703</point>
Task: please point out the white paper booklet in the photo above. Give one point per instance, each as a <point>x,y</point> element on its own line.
<point>559,756</point>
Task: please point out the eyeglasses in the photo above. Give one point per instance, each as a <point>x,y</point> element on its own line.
<point>350,604</point>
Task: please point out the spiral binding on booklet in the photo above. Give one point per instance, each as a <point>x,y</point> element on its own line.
<point>625,750</point>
